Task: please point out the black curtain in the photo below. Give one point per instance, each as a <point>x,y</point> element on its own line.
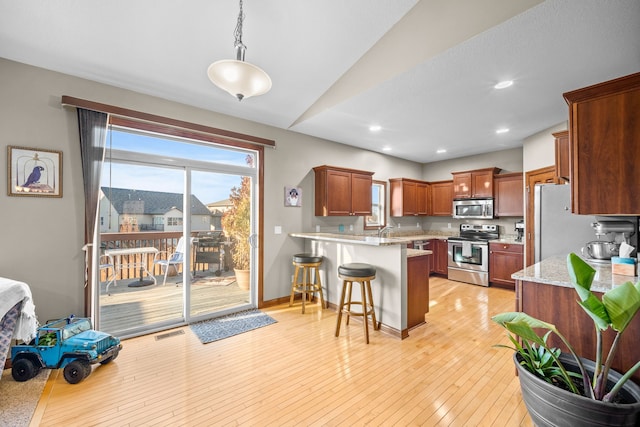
<point>93,135</point>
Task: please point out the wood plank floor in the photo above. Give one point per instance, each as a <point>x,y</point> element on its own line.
<point>297,373</point>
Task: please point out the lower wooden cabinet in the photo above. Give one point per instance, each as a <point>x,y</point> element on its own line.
<point>417,289</point>
<point>504,260</point>
<point>439,259</point>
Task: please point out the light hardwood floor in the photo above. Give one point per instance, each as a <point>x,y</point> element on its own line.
<point>297,373</point>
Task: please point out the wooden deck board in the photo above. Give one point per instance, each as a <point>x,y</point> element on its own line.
<point>128,307</point>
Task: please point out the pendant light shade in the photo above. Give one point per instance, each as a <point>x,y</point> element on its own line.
<point>237,77</point>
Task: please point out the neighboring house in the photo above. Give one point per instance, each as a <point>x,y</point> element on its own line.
<point>126,210</point>
<point>217,209</point>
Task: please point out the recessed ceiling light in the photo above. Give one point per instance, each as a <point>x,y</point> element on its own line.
<point>386,148</point>
<point>375,128</point>
<point>504,84</point>
<point>440,151</point>
<point>502,130</point>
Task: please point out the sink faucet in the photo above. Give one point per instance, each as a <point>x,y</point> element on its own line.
<point>383,230</point>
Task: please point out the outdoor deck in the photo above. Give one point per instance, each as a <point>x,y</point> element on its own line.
<point>133,307</point>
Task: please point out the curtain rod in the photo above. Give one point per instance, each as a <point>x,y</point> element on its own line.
<point>133,114</point>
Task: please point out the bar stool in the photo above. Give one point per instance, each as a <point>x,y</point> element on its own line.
<point>306,262</point>
<point>363,274</point>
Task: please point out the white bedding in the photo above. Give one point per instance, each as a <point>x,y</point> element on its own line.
<point>11,293</point>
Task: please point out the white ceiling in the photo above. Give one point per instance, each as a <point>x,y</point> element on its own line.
<point>423,70</point>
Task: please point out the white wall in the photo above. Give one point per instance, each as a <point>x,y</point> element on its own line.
<point>538,150</point>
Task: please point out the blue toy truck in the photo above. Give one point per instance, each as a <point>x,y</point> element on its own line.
<point>68,343</point>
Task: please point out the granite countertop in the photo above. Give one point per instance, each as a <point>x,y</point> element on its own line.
<point>364,239</point>
<point>354,239</point>
<point>553,271</point>
<point>418,252</point>
<point>511,240</point>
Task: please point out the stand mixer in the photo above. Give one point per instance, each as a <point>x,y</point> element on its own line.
<point>615,232</point>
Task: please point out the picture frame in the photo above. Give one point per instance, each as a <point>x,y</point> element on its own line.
<point>292,196</point>
<point>34,172</point>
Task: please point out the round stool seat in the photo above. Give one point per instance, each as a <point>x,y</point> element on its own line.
<point>306,259</point>
<point>357,269</point>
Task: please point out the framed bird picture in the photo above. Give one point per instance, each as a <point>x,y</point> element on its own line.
<point>34,172</point>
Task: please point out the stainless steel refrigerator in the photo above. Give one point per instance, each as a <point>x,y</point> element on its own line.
<point>557,230</point>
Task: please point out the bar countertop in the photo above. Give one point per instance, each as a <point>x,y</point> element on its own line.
<point>354,239</point>
<point>553,271</point>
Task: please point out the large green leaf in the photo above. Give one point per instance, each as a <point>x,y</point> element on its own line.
<point>622,303</point>
<point>581,275</point>
<point>597,311</point>
<point>521,324</point>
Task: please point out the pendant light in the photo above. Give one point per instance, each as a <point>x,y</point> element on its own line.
<point>237,77</point>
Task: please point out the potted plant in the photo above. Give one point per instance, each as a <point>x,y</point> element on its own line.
<point>236,223</point>
<point>562,388</point>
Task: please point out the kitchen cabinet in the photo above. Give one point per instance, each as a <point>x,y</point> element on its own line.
<point>441,198</point>
<point>409,197</point>
<point>439,258</point>
<point>442,258</point>
<point>417,289</point>
<point>342,191</point>
<point>509,191</point>
<point>562,155</point>
<point>504,260</point>
<point>473,184</point>
<point>604,134</point>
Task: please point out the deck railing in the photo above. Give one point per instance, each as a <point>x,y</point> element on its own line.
<point>165,243</point>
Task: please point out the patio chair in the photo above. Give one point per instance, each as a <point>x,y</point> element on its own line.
<point>106,263</point>
<point>171,258</point>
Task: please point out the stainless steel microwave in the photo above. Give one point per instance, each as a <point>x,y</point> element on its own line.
<point>473,208</point>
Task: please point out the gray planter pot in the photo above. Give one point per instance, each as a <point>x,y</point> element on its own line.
<point>552,406</point>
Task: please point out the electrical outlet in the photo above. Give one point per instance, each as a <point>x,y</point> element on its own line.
<point>448,225</point>
<point>277,229</point>
<point>350,227</point>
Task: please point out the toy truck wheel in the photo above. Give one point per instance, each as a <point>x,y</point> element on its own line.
<point>23,370</point>
<point>76,371</point>
<point>110,359</point>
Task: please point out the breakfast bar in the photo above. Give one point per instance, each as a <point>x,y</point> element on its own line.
<point>391,293</point>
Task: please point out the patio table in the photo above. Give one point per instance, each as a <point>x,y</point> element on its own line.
<point>142,264</point>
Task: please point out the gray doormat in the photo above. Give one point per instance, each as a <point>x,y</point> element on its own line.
<point>230,325</point>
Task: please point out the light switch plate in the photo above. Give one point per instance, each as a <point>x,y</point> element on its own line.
<point>277,229</point>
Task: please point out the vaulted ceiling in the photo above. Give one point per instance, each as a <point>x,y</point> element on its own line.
<point>422,70</point>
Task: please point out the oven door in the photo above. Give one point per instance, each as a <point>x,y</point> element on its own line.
<point>468,255</point>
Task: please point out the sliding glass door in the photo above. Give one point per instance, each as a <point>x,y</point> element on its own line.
<point>174,225</point>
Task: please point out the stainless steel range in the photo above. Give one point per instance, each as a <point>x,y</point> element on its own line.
<point>469,253</point>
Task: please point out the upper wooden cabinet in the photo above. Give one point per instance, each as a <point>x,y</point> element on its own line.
<point>409,197</point>
<point>342,192</point>
<point>604,132</point>
<point>562,154</point>
<point>509,194</point>
<point>442,198</point>
<point>476,183</point>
